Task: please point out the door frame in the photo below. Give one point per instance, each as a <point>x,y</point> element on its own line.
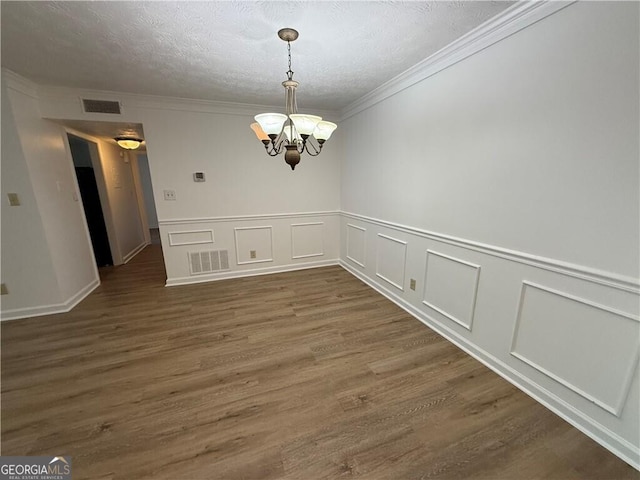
<point>94,153</point>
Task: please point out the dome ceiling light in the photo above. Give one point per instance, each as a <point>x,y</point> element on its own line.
<point>129,143</point>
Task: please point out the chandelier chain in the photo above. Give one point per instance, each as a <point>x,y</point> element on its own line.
<point>289,72</point>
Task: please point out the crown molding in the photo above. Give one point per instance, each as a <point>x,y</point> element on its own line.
<point>133,100</point>
<point>503,25</point>
<point>19,83</point>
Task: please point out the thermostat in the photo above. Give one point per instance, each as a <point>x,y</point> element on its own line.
<point>198,177</point>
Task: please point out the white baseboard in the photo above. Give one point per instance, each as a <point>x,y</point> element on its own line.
<point>172,282</point>
<point>601,434</point>
<point>129,256</point>
<point>39,311</point>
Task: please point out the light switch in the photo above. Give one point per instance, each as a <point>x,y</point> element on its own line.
<point>14,201</point>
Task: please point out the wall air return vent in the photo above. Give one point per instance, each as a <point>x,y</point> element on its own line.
<point>208,262</point>
<point>100,106</point>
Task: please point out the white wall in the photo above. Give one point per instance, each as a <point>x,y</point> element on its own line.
<point>243,184</point>
<point>26,265</point>
<point>240,178</point>
<point>507,186</point>
<point>48,232</point>
<point>147,190</point>
<point>535,133</point>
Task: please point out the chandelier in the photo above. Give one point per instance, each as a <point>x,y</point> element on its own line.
<point>293,133</point>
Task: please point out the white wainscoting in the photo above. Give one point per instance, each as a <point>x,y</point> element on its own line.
<point>307,240</point>
<point>573,340</point>
<point>258,240</point>
<point>356,244</point>
<point>391,258</point>
<point>569,338</point>
<point>191,237</point>
<point>451,287</point>
<point>282,242</point>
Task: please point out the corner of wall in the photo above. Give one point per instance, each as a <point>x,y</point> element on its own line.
<point>47,229</point>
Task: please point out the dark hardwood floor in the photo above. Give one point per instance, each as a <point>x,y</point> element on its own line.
<point>303,375</point>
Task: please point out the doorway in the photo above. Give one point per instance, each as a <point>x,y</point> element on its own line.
<point>88,186</point>
<point>149,203</point>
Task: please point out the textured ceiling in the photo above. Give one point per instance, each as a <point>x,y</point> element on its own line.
<point>229,51</point>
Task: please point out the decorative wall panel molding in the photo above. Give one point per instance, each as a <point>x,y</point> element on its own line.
<point>391,258</point>
<point>307,240</point>
<point>191,237</point>
<point>356,244</point>
<point>279,241</point>
<point>619,282</point>
<point>254,239</point>
<point>236,218</point>
<point>589,348</point>
<point>451,287</point>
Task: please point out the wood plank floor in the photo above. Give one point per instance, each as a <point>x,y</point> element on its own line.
<point>302,375</point>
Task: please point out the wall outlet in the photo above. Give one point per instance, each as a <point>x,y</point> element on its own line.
<point>412,284</point>
<point>14,201</point>
<point>3,289</point>
<point>169,194</point>
<point>252,253</point>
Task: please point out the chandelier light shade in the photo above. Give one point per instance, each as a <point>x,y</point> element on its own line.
<point>293,133</point>
<point>128,143</point>
<point>271,123</point>
<point>324,130</point>
<point>305,124</point>
<point>260,133</point>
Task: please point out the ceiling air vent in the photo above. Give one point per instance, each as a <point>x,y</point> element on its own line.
<point>100,106</point>
<point>208,262</point>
